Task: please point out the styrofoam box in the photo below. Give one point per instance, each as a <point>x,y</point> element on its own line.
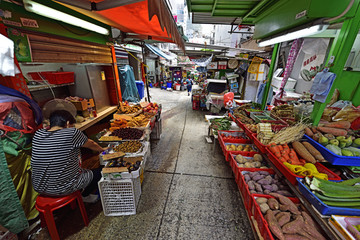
<point>290,84</point>
<point>120,197</point>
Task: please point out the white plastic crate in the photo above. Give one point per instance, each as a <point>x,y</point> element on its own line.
<point>120,197</point>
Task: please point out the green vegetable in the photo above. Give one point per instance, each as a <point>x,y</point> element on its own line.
<point>347,153</point>
<point>325,198</point>
<point>343,204</point>
<point>350,182</point>
<point>334,190</point>
<point>334,149</point>
<point>355,151</point>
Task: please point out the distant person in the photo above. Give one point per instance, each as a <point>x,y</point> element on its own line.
<point>189,85</point>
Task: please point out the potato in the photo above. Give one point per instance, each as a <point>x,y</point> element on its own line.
<point>249,165</point>
<point>242,166</point>
<point>239,148</point>
<point>256,164</point>
<point>240,159</point>
<point>257,157</point>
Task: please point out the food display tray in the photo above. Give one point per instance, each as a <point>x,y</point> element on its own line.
<point>236,169</point>
<point>107,133</point>
<point>228,153</point>
<point>332,157</point>
<point>142,152</point>
<point>243,138</point>
<point>258,144</point>
<point>322,207</point>
<point>291,176</point>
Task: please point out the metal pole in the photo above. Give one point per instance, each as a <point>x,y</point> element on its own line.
<point>270,75</point>
<point>146,82</point>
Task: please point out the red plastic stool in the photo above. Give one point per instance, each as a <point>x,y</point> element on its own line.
<point>46,205</point>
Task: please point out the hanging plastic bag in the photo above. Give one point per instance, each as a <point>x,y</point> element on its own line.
<point>229,100</point>
<point>348,113</point>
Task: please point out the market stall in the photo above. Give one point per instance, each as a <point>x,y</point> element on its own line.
<point>285,167</point>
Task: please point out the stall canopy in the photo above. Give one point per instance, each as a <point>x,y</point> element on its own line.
<point>160,53</point>
<point>148,19</point>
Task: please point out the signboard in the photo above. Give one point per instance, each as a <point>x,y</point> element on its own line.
<point>21,45</point>
<point>212,65</point>
<point>222,64</point>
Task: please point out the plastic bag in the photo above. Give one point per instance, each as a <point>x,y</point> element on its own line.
<point>229,99</point>
<point>341,104</point>
<point>348,113</point>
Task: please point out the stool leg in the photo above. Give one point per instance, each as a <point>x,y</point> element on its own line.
<point>50,222</point>
<point>82,210</point>
<point>42,220</point>
<point>73,204</point>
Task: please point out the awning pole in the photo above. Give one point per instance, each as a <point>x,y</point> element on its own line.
<point>146,81</point>
<point>273,64</point>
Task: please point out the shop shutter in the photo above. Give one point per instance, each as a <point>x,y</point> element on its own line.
<point>54,49</point>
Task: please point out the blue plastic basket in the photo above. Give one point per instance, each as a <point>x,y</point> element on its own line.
<point>333,158</point>
<point>322,207</point>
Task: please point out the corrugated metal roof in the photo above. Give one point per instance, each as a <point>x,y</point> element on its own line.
<point>227,11</point>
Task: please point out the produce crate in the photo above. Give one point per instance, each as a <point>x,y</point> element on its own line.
<point>117,175</point>
<point>291,176</point>
<point>120,197</point>
<point>332,157</point>
<point>246,130</point>
<point>236,169</point>
<point>322,207</point>
<point>247,154</point>
<point>258,144</point>
<point>244,189</point>
<point>53,77</point>
<point>239,134</point>
<point>251,110</point>
<point>259,217</point>
<point>276,125</point>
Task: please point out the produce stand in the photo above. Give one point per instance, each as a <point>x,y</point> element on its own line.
<point>311,204</point>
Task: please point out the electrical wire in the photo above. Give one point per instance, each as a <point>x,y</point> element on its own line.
<point>342,14</point>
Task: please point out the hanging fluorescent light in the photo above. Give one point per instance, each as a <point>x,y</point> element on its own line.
<point>294,35</point>
<point>46,11</point>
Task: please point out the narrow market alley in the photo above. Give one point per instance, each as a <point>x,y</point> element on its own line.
<point>188,191</point>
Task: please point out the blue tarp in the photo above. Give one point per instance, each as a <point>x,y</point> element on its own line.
<point>129,90</point>
<point>160,53</point>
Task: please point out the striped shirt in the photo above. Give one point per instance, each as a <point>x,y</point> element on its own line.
<point>55,162</point>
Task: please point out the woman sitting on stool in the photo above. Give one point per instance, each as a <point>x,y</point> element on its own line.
<point>55,159</point>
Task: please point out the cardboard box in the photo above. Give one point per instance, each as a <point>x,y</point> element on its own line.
<point>83,105</point>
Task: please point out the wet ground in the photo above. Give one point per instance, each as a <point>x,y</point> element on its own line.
<point>188,191</point>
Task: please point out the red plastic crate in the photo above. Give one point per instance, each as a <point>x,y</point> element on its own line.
<point>54,77</point>
<point>244,190</point>
<point>291,176</point>
<point>242,137</point>
<point>258,144</point>
<point>245,154</point>
<point>236,169</point>
<point>246,130</point>
<point>258,216</point>
<point>276,125</point>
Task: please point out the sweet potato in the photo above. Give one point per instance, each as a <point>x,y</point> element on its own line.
<point>261,200</point>
<point>285,193</point>
<point>303,152</point>
<point>316,154</point>
<point>275,187</point>
<point>247,178</point>
<point>273,204</point>
<point>284,208</point>
<point>295,226</point>
<point>333,131</point>
<point>294,237</point>
<point>251,185</point>
<point>264,181</point>
<point>253,174</point>
<point>309,132</point>
<point>283,218</point>
<point>264,173</point>
<point>310,227</point>
<point>285,201</point>
<point>258,188</point>
<point>267,187</point>
<point>274,225</point>
<point>258,177</point>
<point>264,207</point>
<point>339,124</point>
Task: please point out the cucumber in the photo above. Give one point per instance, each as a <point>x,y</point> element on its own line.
<point>325,198</point>
<point>350,182</point>
<point>341,194</point>
<point>343,204</point>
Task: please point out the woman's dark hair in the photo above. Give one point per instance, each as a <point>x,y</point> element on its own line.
<point>60,118</point>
